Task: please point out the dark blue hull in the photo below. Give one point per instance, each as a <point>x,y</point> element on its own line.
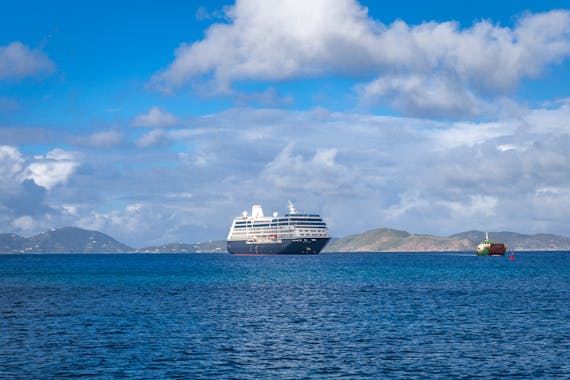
<point>302,246</point>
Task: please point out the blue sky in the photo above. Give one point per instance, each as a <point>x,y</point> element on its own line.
<point>160,122</point>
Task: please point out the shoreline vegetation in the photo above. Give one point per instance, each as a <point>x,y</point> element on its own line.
<point>76,240</point>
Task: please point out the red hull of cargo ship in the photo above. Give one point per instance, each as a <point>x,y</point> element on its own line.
<point>497,249</point>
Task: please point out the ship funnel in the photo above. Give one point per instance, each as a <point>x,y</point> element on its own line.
<point>256,211</point>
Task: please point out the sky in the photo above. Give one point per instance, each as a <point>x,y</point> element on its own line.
<point>159,122</point>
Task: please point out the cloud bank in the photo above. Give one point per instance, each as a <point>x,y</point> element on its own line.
<point>360,171</point>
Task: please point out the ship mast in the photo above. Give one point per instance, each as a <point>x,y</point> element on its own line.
<point>292,209</point>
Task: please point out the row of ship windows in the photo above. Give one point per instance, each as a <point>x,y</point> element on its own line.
<point>306,215</point>
<point>284,220</point>
<point>273,231</point>
<point>309,224</point>
<point>314,232</point>
<point>264,231</point>
<point>246,236</point>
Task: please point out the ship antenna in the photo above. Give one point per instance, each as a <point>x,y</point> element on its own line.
<point>486,236</point>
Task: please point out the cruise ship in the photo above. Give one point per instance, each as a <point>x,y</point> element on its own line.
<point>292,233</point>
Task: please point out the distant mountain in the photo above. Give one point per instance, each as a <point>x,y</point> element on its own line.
<point>218,246</point>
<point>62,240</point>
<point>390,240</point>
<point>520,242</point>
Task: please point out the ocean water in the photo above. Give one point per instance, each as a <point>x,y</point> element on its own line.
<point>350,316</point>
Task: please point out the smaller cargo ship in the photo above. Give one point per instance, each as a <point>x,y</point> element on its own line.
<point>489,248</point>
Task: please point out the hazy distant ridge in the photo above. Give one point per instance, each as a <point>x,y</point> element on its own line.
<point>77,240</point>
<point>62,240</point>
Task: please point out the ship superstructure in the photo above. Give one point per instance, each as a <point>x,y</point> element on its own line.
<point>293,233</point>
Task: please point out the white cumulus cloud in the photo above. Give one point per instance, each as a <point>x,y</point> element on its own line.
<point>273,40</point>
<point>56,167</point>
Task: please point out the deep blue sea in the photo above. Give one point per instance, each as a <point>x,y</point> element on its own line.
<point>350,316</point>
